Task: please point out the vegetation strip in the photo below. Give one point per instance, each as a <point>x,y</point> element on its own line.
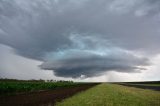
<point>11,87</point>
<point>113,95</point>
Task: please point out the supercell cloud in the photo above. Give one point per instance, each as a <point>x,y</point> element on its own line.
<point>86,37</point>
<point>92,57</point>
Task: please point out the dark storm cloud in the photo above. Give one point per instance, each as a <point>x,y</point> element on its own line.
<point>95,64</point>
<point>40,29</point>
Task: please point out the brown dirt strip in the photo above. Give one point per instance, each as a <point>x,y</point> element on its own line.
<point>42,98</point>
<point>156,88</point>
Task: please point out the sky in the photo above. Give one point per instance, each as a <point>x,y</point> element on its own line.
<point>80,40</point>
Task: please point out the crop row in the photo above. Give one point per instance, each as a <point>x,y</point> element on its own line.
<point>14,87</point>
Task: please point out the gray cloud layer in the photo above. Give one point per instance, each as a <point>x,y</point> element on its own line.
<point>95,64</point>
<point>52,30</point>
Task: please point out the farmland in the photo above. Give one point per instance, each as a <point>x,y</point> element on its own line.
<point>13,87</point>
<point>38,93</point>
<point>68,93</point>
<point>155,85</point>
<point>114,95</point>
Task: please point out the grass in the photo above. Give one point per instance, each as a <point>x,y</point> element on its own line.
<point>113,95</point>
<point>12,87</point>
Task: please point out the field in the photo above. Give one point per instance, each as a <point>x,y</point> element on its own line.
<point>68,93</point>
<point>38,93</point>
<point>153,85</point>
<point>113,95</point>
<point>149,83</point>
<point>13,87</point>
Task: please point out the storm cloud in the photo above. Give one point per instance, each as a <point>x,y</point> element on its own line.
<point>87,59</point>
<point>87,37</point>
<point>94,65</point>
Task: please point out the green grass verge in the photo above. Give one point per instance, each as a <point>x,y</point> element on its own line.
<point>113,95</point>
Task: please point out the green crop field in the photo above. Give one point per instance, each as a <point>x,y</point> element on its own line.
<point>12,87</point>
<point>113,95</point>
